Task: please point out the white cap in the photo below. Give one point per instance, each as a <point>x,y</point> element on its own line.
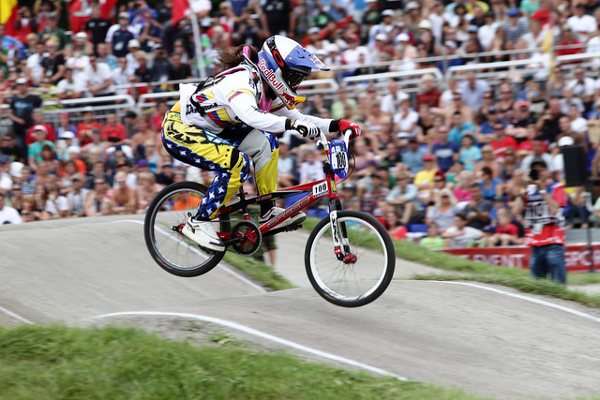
<point>425,24</point>
<point>403,37</point>
<point>81,35</point>
<point>413,5</point>
<point>21,81</point>
<point>67,135</point>
<point>314,29</point>
<point>133,43</point>
<point>401,96</point>
<point>124,14</point>
<point>388,13</point>
<point>565,141</point>
<point>332,48</point>
<point>16,169</point>
<point>381,36</point>
<point>74,149</point>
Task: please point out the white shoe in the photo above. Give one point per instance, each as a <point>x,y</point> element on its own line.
<point>273,212</point>
<point>203,233</point>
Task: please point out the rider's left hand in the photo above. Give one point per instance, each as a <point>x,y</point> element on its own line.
<point>353,126</point>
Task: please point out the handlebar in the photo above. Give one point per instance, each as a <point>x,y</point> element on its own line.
<point>322,141</point>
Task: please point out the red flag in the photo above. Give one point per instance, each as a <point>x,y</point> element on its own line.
<point>180,8</point>
<point>106,8</point>
<point>8,16</point>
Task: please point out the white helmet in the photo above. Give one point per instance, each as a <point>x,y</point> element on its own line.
<point>284,64</point>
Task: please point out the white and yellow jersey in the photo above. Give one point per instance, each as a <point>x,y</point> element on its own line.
<point>233,97</point>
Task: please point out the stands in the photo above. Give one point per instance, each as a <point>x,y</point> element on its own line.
<point>421,82</point>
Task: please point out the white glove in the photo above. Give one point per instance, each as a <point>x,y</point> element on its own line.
<point>306,129</point>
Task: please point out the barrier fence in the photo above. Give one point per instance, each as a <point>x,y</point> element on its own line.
<point>579,256</point>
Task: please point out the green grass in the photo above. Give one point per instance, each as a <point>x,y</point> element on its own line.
<point>466,270</point>
<point>258,271</point>
<point>57,362</point>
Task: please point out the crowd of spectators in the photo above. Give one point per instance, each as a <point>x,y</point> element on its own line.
<point>446,161</point>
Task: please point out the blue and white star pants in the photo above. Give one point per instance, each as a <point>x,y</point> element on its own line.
<point>229,160</point>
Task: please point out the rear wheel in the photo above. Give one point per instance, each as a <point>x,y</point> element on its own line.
<point>367,269</point>
<point>166,215</point>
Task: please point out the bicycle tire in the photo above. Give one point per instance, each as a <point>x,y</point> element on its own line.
<point>150,234</point>
<point>388,260</point>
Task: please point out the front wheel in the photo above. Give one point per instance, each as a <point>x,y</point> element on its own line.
<point>165,217</point>
<point>362,276</point>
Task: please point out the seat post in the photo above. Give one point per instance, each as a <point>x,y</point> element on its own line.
<point>242,196</point>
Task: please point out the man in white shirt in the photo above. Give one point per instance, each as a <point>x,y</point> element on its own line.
<point>352,55</point>
<point>460,235</point>
<point>8,215</point>
<point>68,87</point>
<point>99,78</point>
<point>582,86</point>
<point>487,32</point>
<point>391,102</point>
<point>581,23</point>
<point>385,27</point>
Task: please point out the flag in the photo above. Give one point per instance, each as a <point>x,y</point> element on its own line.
<point>179,10</point>
<point>107,7</point>
<point>8,15</point>
<point>548,48</point>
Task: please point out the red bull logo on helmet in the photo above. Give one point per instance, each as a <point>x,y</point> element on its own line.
<point>270,75</point>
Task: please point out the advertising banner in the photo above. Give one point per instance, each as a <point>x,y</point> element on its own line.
<point>578,256</point>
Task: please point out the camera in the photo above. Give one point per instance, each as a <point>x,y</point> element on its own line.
<point>534,174</point>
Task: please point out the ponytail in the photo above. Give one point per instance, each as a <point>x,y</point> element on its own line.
<point>233,56</point>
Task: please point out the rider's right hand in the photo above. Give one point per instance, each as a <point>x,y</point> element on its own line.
<point>306,129</point>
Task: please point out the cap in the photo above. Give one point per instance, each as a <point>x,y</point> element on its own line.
<point>81,35</point>
<point>566,28</point>
<point>381,36</point>
<point>450,43</point>
<point>40,128</point>
<point>413,5</point>
<point>491,110</point>
<point>133,43</point>
<point>4,159</point>
<point>472,29</point>
<point>313,30</point>
<point>124,15</point>
<point>16,169</point>
<point>21,81</point>
<point>142,163</point>
<point>565,141</point>
<point>513,12</point>
<point>403,37</point>
<point>428,157</point>
<point>387,13</point>
<point>74,149</point>
<point>67,135</point>
<point>425,24</point>
<point>77,177</point>
<point>88,109</point>
<point>332,48</point>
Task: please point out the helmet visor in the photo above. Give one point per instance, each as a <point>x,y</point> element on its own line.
<point>293,78</point>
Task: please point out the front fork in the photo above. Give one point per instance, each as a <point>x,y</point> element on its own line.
<point>341,246</point>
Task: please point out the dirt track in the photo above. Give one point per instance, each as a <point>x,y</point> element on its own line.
<point>483,341</point>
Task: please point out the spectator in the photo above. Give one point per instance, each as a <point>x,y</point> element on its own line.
<point>582,24</point>
<point>443,150</point>
<point>443,211</point>
<point>8,215</point>
<point>568,43</point>
<point>21,111</point>
<point>53,64</point>
<point>433,241</point>
<point>123,197</point>
<point>502,142</point>
<point>277,13</point>
<point>487,161</point>
<point>119,35</point>
<point>403,197</point>
<point>68,88</point>
<point>98,200</point>
<point>103,56</point>
<point>460,235</point>
<point>179,70</point>
<point>469,153</point>
<point>477,209</point>
<point>515,27</point>
<point>459,128</point>
<point>424,179</point>
<point>538,154</point>
<point>77,196</point>
<point>310,169</point>
<point>413,155</point>
<point>35,149</point>
<point>97,27</point>
<point>472,91</point>
<point>99,78</point>
<point>429,93</point>
<point>582,86</point>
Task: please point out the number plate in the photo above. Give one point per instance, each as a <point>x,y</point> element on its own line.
<point>320,189</point>
<point>338,157</point>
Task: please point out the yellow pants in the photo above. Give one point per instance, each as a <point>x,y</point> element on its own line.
<point>228,159</point>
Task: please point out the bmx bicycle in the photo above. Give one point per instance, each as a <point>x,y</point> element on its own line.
<point>349,256</point>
